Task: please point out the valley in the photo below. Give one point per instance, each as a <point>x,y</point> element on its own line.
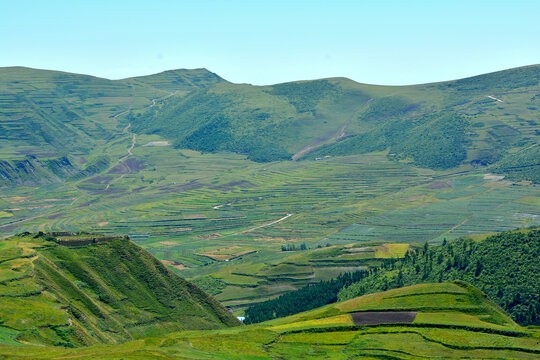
<point>171,211</point>
<point>253,192</point>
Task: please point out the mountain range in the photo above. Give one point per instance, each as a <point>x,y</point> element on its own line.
<point>143,217</point>
<point>487,120</point>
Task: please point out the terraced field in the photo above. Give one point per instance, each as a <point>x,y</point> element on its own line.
<point>189,208</point>
<point>79,154</point>
<point>452,321</point>
<point>85,289</point>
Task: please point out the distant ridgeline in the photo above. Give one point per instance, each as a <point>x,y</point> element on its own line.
<point>75,289</point>
<point>504,266</point>
<point>486,120</point>
<point>479,120</point>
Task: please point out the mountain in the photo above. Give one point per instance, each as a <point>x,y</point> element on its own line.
<point>478,120</point>
<point>50,113</point>
<point>448,320</point>
<point>180,80</point>
<point>84,289</point>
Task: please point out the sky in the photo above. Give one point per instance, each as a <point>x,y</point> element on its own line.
<point>265,42</point>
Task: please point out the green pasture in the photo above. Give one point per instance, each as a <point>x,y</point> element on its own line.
<point>141,163</point>
<point>179,204</point>
<point>329,333</point>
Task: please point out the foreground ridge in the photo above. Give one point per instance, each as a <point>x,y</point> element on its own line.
<point>451,320</point>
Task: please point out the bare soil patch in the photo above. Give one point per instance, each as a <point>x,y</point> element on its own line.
<point>360,249</point>
<point>209,236</point>
<point>181,229</point>
<point>157,143</point>
<point>16,199</point>
<point>493,177</point>
<point>174,264</point>
<point>226,253</point>
<point>168,243</point>
<point>383,317</point>
<point>438,185</point>
<point>228,218</point>
<point>195,217</point>
<point>128,166</point>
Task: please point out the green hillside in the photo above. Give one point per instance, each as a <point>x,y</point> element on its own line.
<point>504,266</point>
<point>376,165</point>
<point>479,120</point>
<point>181,80</point>
<point>50,113</point>
<point>448,320</point>
<point>73,291</point>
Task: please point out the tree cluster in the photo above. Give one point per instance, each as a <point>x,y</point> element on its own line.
<point>306,298</point>
<point>504,266</point>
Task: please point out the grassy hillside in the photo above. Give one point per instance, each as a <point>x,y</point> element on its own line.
<point>479,120</point>
<point>504,266</point>
<point>181,80</point>
<point>522,164</point>
<point>69,293</point>
<point>51,113</point>
<point>196,210</point>
<point>449,320</point>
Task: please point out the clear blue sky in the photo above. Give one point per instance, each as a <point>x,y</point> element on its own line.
<point>264,42</point>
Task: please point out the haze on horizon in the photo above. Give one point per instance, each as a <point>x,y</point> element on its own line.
<point>387,43</point>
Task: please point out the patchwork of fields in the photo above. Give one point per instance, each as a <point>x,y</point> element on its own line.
<point>450,321</point>
<point>374,166</point>
<point>223,221</point>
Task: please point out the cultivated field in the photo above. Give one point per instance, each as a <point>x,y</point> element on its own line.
<point>452,321</point>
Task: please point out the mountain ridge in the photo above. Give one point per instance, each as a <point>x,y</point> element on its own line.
<point>176,70</point>
<point>246,119</point>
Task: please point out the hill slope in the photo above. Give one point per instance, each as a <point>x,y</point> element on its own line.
<point>478,120</point>
<point>107,292</point>
<point>449,320</point>
<point>50,113</point>
<point>505,266</point>
<point>442,125</point>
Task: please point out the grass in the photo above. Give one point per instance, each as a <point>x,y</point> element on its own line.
<point>318,334</point>
<point>104,293</point>
<point>180,203</point>
<point>357,199</point>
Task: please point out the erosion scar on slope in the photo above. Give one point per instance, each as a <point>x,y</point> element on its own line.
<point>336,136</point>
